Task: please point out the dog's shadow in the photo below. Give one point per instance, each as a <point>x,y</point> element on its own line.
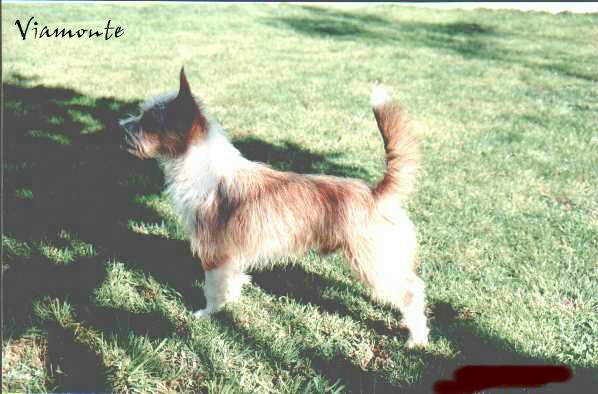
<point>476,347</point>
<point>295,282</point>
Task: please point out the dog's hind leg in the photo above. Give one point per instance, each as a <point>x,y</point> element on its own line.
<point>222,285</point>
<point>385,263</point>
<point>407,294</point>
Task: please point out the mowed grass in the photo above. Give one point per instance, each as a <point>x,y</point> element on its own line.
<point>100,286</point>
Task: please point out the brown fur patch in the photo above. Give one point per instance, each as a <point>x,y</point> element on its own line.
<point>261,205</point>
<point>402,152</point>
<point>172,139</point>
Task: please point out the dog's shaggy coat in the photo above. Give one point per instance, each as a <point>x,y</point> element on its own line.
<point>240,214</point>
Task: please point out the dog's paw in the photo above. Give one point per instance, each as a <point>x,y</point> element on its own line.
<point>202,314</point>
<point>417,342</point>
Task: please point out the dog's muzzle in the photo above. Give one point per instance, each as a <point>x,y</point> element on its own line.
<point>129,141</point>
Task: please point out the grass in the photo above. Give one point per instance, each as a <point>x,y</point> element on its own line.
<point>99,284</point>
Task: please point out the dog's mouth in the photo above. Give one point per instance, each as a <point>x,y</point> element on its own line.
<point>130,141</point>
<point>135,151</point>
<point>128,144</point>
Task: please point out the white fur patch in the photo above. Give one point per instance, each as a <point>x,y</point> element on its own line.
<point>379,96</point>
<point>222,285</point>
<point>192,179</point>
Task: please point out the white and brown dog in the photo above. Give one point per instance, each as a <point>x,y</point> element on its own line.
<point>241,214</point>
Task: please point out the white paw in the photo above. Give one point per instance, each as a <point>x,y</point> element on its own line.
<point>245,279</point>
<point>202,314</point>
<point>417,342</point>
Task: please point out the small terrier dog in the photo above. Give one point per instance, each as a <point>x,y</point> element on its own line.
<point>241,215</point>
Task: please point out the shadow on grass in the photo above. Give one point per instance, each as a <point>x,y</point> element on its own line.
<point>288,156</point>
<point>65,175</point>
<point>66,182</point>
<point>475,346</point>
<point>337,369</point>
<point>74,367</point>
<point>292,281</point>
<point>470,40</point>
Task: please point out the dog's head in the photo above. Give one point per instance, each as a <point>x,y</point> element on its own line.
<point>166,125</point>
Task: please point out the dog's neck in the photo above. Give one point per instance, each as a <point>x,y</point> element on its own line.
<point>212,157</point>
<point>192,178</point>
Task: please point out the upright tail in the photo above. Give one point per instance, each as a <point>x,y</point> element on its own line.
<point>402,148</point>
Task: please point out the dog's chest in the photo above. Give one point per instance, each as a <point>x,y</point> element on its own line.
<point>189,195</point>
<point>192,180</point>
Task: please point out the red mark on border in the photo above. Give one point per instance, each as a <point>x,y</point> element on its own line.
<point>474,378</point>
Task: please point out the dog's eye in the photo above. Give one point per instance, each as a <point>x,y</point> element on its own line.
<point>148,124</point>
<point>152,120</point>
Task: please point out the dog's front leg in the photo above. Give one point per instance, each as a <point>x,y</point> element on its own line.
<point>222,285</point>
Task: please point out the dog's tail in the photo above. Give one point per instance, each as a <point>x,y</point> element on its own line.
<point>402,148</point>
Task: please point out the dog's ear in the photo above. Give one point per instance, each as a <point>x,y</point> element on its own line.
<point>184,87</point>
<point>187,113</point>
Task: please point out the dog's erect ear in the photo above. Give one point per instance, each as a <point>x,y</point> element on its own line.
<point>184,88</point>
<point>186,113</point>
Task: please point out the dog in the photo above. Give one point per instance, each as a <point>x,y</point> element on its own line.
<point>240,215</point>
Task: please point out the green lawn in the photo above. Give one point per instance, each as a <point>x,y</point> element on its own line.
<point>99,285</point>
